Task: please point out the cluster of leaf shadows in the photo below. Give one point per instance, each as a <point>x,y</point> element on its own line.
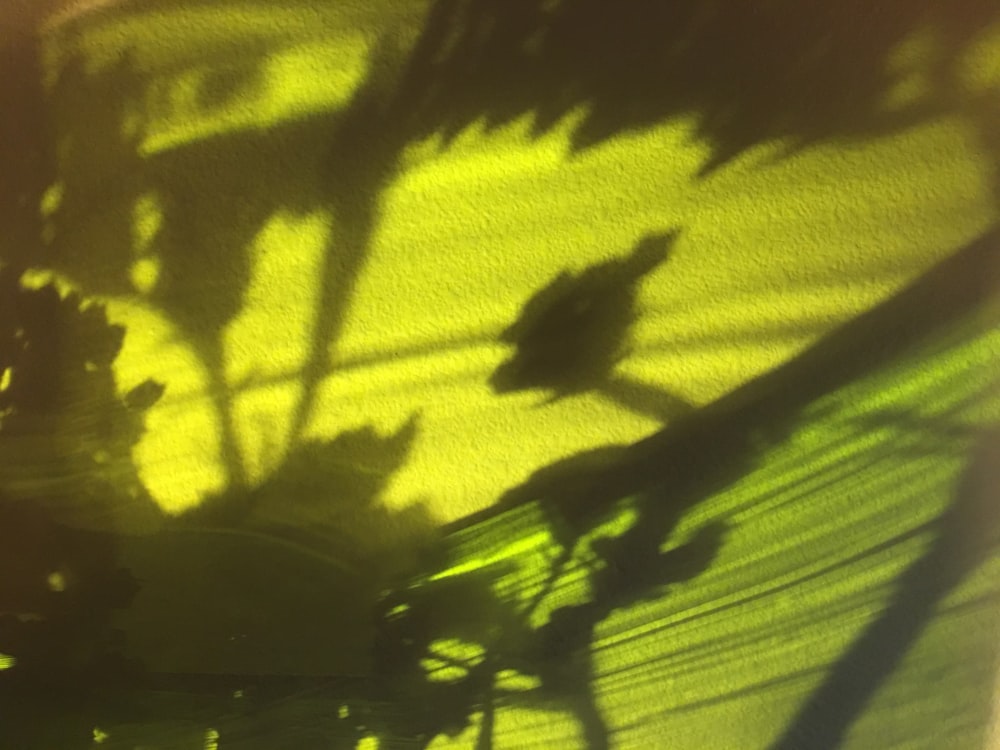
<point>746,74</point>
<point>58,353</point>
<point>65,469</point>
<point>668,474</point>
<point>572,334</point>
<point>792,70</point>
<point>70,497</point>
<point>403,702</point>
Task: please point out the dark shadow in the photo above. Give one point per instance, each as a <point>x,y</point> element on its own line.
<point>99,171</point>
<point>59,590</point>
<point>26,151</point>
<point>572,333</point>
<point>747,75</point>
<point>564,490</point>
<point>65,435</point>
<point>785,70</point>
<point>325,498</point>
<point>647,400</point>
<point>670,472</point>
<point>67,489</point>
<point>967,534</point>
<point>415,622</point>
<point>797,71</point>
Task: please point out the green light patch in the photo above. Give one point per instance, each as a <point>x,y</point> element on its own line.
<point>451,659</point>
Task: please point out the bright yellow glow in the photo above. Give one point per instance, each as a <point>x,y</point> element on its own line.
<point>539,540</point>
<point>620,521</point>
<point>527,727</point>
<point>147,220</point>
<point>5,378</point>
<point>7,661</point>
<point>399,609</point>
<point>368,743</point>
<point>513,681</point>
<point>56,581</point>
<point>38,278</point>
<point>144,274</point>
<point>455,649</point>
<point>450,659</point>
<point>178,458</point>
<point>211,740</point>
<point>269,340</point>
<point>100,736</point>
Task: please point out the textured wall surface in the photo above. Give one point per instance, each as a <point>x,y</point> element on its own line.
<point>671,333</point>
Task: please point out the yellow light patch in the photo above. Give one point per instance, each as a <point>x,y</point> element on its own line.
<point>527,727</point>
<point>623,518</point>
<point>147,220</point>
<point>513,681</point>
<point>144,274</point>
<point>267,344</point>
<point>178,457</point>
<point>56,581</point>
<point>52,198</point>
<point>39,278</point>
<point>453,648</point>
<point>304,79</point>
<point>7,661</point>
<point>539,540</point>
<point>451,659</point>
<point>979,66</point>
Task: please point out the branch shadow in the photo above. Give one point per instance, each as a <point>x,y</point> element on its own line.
<point>669,473</point>
<point>785,71</point>
<point>746,84</point>
<point>967,535</point>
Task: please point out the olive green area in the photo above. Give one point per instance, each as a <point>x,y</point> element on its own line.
<point>491,374</point>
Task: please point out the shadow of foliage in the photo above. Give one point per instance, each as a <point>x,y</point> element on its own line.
<point>67,485</point>
<point>748,72</point>
<point>66,435</point>
<point>326,497</point>
<point>432,693</point>
<point>967,534</point>
<point>571,334</point>
<point>669,473</point>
